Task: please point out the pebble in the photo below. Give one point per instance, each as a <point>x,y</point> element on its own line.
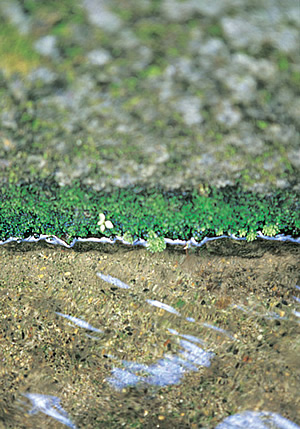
<point>47,46</point>
<point>99,14</point>
<point>99,57</point>
<point>226,80</point>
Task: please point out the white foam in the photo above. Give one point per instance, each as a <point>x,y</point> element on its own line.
<point>52,239</point>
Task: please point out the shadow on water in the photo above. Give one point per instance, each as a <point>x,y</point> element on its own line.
<point>124,338</point>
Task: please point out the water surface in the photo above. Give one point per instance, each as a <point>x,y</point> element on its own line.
<point>112,337</point>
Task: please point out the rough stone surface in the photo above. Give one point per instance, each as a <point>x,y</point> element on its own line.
<point>47,46</point>
<point>174,93</point>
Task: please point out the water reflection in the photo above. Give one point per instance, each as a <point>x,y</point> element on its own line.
<point>268,314</point>
<point>49,405</point>
<point>166,371</point>
<point>187,337</point>
<point>113,280</point>
<point>79,322</point>
<point>216,328</point>
<point>165,307</point>
<point>257,420</point>
<point>271,315</point>
<point>160,376</point>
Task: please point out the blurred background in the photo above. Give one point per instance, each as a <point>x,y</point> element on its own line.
<point>169,92</point>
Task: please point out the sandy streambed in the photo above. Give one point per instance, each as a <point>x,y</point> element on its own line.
<point>237,302</point>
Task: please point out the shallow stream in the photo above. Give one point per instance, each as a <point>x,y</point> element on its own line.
<point>111,336</point>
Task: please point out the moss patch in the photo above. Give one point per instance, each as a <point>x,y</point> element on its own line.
<point>73,211</point>
<point>16,50</point>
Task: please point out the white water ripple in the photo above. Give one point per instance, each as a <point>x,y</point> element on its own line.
<point>165,307</point>
<point>52,239</point>
<point>49,405</point>
<point>112,280</point>
<point>257,420</point>
<point>79,322</point>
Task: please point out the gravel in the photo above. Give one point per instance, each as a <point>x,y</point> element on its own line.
<point>173,93</point>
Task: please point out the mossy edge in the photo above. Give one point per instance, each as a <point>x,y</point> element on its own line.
<point>32,208</point>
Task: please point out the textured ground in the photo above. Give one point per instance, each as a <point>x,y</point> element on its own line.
<point>176,93</point>
<point>170,92</point>
<point>255,367</point>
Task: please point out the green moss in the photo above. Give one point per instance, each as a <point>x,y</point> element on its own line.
<point>215,136</point>
<point>262,125</point>
<point>55,10</point>
<point>155,243</point>
<point>16,52</point>
<point>123,13</point>
<point>215,30</point>
<point>151,71</point>
<point>162,38</point>
<point>229,153</point>
<point>153,214</point>
<point>147,29</point>
<point>264,96</point>
<point>295,80</point>
<point>283,63</point>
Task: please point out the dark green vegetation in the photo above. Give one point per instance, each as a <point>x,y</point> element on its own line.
<point>73,211</point>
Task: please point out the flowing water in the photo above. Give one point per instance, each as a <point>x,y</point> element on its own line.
<point>111,336</point>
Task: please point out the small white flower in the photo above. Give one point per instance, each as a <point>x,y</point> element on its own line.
<point>104,223</point>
